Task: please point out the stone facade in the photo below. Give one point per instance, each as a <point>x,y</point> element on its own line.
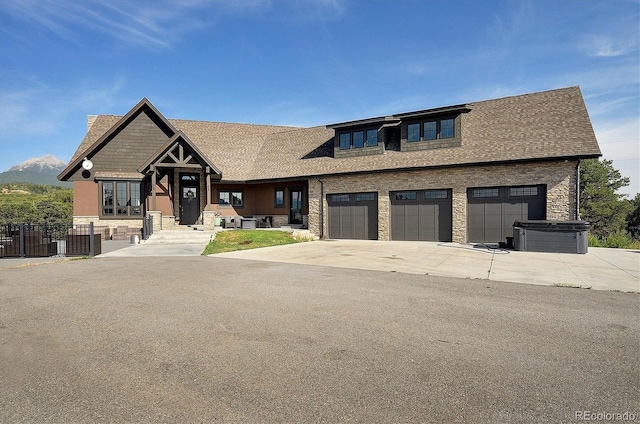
<point>559,178</point>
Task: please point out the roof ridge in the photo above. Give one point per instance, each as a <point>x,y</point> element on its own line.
<point>522,95</point>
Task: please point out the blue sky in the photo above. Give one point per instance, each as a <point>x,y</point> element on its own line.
<point>308,62</point>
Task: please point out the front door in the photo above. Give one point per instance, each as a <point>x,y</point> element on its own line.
<point>189,198</point>
<point>295,205</point>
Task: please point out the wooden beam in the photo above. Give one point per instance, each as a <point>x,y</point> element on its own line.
<point>208,176</point>
<point>180,165</point>
<point>153,188</point>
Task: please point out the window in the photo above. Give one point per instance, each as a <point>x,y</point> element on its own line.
<point>413,132</point>
<point>446,128</point>
<point>430,130</point>
<point>436,194</point>
<point>345,141</point>
<point>372,138</point>
<point>278,200</point>
<point>523,191</point>
<point>486,192</point>
<point>407,195</point>
<point>230,198</point>
<point>365,197</point>
<point>358,139</point>
<point>107,198</point>
<point>121,198</point>
<point>339,197</point>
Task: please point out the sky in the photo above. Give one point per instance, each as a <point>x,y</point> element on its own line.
<point>308,63</point>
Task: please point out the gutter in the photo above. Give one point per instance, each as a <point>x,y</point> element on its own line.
<point>578,190</point>
<point>321,211</point>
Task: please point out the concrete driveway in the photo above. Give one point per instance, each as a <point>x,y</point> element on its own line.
<point>599,269</point>
<point>210,339</point>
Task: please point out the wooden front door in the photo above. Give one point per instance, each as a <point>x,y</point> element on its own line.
<point>189,198</point>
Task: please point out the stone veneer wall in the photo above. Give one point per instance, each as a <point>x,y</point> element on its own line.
<point>559,177</point>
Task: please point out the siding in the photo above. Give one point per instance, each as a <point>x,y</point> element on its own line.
<point>126,150</point>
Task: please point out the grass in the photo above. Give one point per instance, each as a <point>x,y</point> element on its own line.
<point>230,241</point>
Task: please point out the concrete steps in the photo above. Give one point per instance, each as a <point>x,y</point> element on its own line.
<point>181,236</point>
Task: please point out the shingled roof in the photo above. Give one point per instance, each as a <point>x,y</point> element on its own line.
<point>547,125</point>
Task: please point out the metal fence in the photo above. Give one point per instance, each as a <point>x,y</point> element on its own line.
<point>29,240</point>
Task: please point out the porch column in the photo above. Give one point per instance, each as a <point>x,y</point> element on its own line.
<point>153,188</point>
<point>208,185</point>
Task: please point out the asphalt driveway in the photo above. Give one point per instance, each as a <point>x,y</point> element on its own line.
<point>204,339</point>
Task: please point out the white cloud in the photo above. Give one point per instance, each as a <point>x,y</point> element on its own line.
<point>151,24</point>
<point>609,46</point>
<point>619,141</point>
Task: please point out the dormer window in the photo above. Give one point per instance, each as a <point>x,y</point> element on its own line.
<point>431,130</point>
<point>358,139</point>
<point>446,128</point>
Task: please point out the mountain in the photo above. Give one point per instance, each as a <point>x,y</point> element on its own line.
<point>48,164</point>
<point>41,170</point>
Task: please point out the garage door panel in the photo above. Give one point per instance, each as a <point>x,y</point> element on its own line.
<point>428,222</point>
<point>414,216</point>
<point>398,222</point>
<point>359,222</point>
<point>492,211</point>
<point>351,217</point>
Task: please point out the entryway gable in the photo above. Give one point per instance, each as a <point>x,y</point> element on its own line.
<point>154,128</point>
<point>180,152</point>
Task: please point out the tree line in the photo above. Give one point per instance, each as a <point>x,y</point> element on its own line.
<point>614,219</point>
<point>23,202</point>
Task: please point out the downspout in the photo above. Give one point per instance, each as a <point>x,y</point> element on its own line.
<point>578,190</point>
<point>321,211</point>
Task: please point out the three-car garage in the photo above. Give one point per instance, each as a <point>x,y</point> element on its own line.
<point>427,215</point>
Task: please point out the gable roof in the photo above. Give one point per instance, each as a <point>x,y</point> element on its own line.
<point>97,136</point>
<point>179,139</point>
<point>547,125</point>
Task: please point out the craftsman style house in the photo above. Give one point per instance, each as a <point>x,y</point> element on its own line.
<point>458,173</point>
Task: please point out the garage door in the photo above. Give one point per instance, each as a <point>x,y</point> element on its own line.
<point>421,215</point>
<point>491,211</point>
<point>353,216</point>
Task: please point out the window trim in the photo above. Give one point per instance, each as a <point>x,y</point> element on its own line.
<point>351,135</point>
<point>406,195</point>
<point>366,197</point>
<point>114,205</point>
<point>527,191</point>
<point>486,193</point>
<point>340,198</point>
<point>438,134</point>
<point>230,192</point>
<point>275,197</point>
<point>432,194</point>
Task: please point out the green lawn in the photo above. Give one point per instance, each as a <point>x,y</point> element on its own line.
<point>229,241</point>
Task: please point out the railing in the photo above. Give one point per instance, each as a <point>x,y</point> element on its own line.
<point>28,240</point>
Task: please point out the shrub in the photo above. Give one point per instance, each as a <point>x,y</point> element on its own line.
<point>594,241</point>
<point>619,240</point>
